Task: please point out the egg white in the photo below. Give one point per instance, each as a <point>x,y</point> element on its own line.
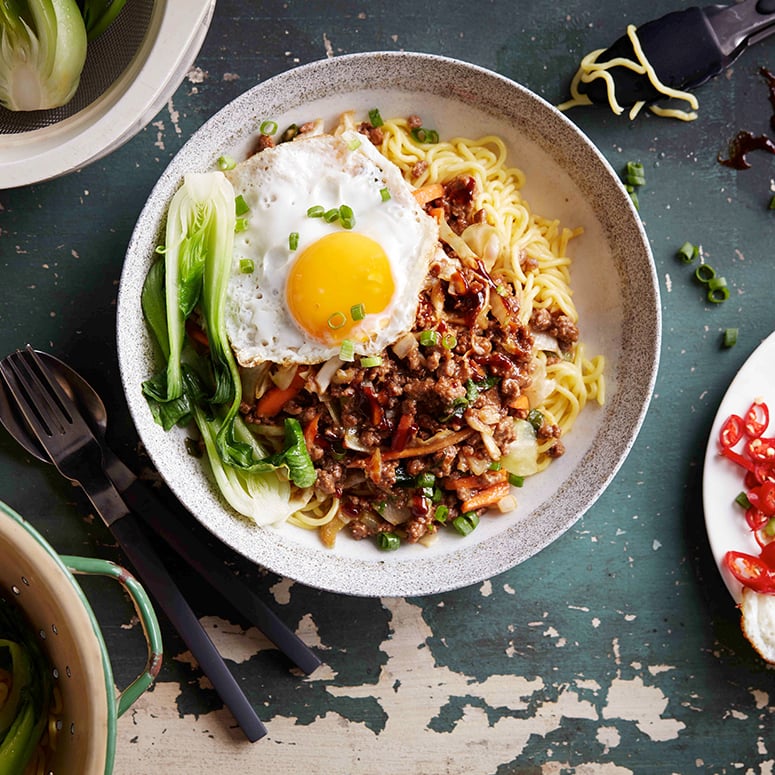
<point>279,185</point>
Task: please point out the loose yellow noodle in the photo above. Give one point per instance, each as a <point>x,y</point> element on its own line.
<point>590,69</point>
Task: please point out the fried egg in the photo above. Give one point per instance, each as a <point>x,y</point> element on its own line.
<point>334,248</point>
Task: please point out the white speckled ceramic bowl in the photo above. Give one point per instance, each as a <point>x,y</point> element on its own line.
<point>613,275</point>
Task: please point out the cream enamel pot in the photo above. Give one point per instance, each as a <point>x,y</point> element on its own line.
<point>43,585</point>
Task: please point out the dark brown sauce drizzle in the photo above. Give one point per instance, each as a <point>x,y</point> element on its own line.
<point>744,142</point>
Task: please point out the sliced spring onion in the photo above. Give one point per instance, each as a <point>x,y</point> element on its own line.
<point>688,252</point>
<point>226,163</point>
<point>718,290</point>
<point>495,466</point>
<point>293,240</point>
<point>384,194</point>
<point>316,211</point>
<point>346,216</point>
<point>742,500</point>
<point>516,481</point>
<point>370,361</point>
<point>429,338</point>
<point>466,523</point>
<point>423,135</point>
<point>246,266</point>
<point>388,542</point>
<point>240,225</point>
<point>240,205</point>
<point>449,341</point>
<point>337,320</point>
<point>268,127</point>
<point>772,203</point>
<point>635,199</point>
<point>426,479</point>
<point>347,351</point>
<point>357,312</point>
<point>730,337</point>
<point>535,418</point>
<point>441,513</point>
<point>329,216</point>
<point>634,174</point>
<point>375,119</point>
<point>353,143</point>
<point>704,273</point>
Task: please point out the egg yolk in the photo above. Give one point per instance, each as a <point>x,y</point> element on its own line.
<point>332,276</point>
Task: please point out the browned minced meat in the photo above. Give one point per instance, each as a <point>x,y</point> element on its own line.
<point>556,324</point>
<point>367,416</point>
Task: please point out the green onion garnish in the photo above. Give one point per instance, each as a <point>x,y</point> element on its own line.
<point>293,240</point>
<point>246,265</point>
<point>337,320</point>
<point>449,341</point>
<point>372,360</point>
<point>634,174</point>
<point>704,273</point>
<point>375,119</point>
<point>635,200</point>
<point>329,216</point>
<point>384,193</point>
<point>465,523</point>
<point>347,351</point>
<point>535,418</point>
<point>388,542</point>
<point>240,205</point>
<point>429,338</point>
<point>423,135</point>
<point>357,312</point>
<point>426,479</point>
<point>316,211</point>
<point>240,225</point>
<point>772,203</point>
<point>346,216</point>
<point>688,252</point>
<point>769,528</point>
<point>441,513</point>
<point>226,163</point>
<point>268,127</point>
<point>742,500</point>
<point>353,143</point>
<point>495,466</point>
<point>516,481</point>
<point>730,337</point>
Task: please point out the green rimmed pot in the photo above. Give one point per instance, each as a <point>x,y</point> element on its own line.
<point>43,585</point>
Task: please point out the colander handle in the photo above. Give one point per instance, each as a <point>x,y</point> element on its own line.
<point>90,566</point>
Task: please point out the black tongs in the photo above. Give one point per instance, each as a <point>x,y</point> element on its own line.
<point>685,48</point>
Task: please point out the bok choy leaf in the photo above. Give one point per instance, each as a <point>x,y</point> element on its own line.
<point>194,275</point>
<point>42,53</point>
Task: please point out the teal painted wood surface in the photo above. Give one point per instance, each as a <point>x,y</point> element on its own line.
<point>617,649</point>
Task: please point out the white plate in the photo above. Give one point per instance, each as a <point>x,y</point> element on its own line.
<point>616,293</point>
<point>176,30</point>
<point>722,480</point>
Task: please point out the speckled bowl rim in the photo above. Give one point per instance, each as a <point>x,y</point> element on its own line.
<point>629,326</point>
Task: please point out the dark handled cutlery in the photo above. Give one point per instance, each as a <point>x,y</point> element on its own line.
<point>686,48</point>
<point>75,451</point>
<point>165,523</point>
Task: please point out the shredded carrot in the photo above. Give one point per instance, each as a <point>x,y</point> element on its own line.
<point>476,482</point>
<point>428,193</point>
<point>431,446</point>
<point>520,402</point>
<point>487,497</point>
<point>196,333</point>
<point>311,431</point>
<point>276,398</point>
<point>437,213</point>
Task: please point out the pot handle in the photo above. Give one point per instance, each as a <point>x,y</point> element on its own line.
<point>95,567</point>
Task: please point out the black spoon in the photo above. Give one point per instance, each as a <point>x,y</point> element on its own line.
<point>685,48</point>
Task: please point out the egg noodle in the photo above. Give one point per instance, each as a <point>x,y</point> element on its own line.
<point>590,69</point>
<point>528,250</point>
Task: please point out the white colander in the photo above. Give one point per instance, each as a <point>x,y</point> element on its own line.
<point>131,70</point>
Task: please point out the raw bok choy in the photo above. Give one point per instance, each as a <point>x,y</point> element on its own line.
<point>43,46</point>
<point>42,53</point>
<point>24,710</point>
<point>193,278</point>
